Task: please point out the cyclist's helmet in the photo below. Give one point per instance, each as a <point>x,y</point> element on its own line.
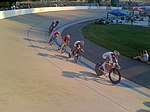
<point>116,52</point>
<point>68,37</point>
<point>53,22</point>
<point>56,33</point>
<point>57,21</point>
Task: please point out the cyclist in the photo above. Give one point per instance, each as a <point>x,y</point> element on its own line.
<point>54,35</point>
<point>109,58</point>
<point>65,41</point>
<point>52,26</point>
<point>78,45</point>
<point>56,23</point>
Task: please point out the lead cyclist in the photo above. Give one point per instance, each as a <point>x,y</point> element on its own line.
<point>109,58</point>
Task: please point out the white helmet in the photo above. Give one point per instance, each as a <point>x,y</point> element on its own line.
<point>116,52</point>
<point>68,36</point>
<point>82,42</point>
<point>53,21</point>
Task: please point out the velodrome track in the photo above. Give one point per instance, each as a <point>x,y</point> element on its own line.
<point>34,77</point>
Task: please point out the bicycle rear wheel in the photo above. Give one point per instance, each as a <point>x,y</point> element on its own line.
<point>114,76</point>
<point>97,69</point>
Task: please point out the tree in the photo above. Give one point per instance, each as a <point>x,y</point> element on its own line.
<point>4,4</point>
<point>114,2</point>
<point>99,2</point>
<point>90,1</point>
<point>7,3</point>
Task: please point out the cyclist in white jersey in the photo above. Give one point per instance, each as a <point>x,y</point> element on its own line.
<point>108,59</point>
<point>77,45</point>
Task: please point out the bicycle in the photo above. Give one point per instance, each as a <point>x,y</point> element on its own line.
<point>113,72</point>
<point>51,41</point>
<point>77,55</point>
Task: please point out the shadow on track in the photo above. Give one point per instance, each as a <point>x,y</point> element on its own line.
<point>147,104</point>
<point>38,41</point>
<point>87,76</point>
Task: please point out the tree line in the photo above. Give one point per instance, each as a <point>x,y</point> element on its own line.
<point>9,3</point>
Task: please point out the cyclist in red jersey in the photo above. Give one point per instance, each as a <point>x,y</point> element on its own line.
<point>65,41</point>
<point>55,34</point>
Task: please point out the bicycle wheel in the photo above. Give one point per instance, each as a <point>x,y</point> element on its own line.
<point>114,76</point>
<point>97,69</point>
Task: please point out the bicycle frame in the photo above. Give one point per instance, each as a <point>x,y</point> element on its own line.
<point>114,65</point>
<point>62,47</point>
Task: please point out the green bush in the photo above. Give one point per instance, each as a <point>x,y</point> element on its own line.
<point>4,4</point>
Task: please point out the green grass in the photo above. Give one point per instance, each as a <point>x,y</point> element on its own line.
<point>127,39</point>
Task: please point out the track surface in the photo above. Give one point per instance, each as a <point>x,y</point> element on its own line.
<point>34,77</point>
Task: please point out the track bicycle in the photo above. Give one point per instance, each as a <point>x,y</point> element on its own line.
<point>113,72</point>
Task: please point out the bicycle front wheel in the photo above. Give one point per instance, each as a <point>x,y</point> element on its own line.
<point>114,76</point>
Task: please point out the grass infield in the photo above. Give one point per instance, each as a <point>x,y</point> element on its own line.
<point>127,39</point>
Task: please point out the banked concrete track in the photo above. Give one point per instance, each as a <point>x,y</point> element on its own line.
<point>34,77</point>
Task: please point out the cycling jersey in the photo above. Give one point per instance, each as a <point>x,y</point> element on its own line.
<point>66,39</point>
<point>109,55</point>
<point>55,34</point>
<point>77,43</point>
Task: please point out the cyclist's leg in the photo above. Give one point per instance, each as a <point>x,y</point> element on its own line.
<point>50,29</point>
<point>72,52</point>
<point>51,39</point>
<point>77,53</point>
<point>63,45</point>
<point>60,46</point>
<point>106,65</point>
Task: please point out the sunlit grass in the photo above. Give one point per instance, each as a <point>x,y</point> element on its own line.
<point>127,39</point>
